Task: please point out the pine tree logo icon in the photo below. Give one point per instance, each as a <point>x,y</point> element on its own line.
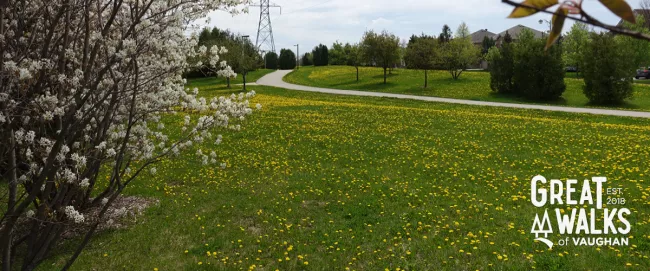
<point>542,227</point>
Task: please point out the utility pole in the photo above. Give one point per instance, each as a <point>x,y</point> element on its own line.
<point>298,56</point>
<point>243,59</point>
<point>264,29</point>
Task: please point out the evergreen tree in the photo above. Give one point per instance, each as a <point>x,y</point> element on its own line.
<point>445,36</point>
<point>287,59</point>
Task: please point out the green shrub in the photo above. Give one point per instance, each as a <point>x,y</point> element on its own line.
<point>287,59</point>
<point>271,60</point>
<point>501,67</point>
<point>320,55</point>
<point>607,71</point>
<point>538,74</point>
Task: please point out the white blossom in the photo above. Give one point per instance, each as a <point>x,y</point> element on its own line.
<point>84,183</point>
<point>24,74</point>
<point>73,214</point>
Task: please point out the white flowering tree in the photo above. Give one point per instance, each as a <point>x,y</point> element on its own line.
<point>83,87</point>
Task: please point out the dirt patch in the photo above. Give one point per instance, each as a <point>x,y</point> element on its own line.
<point>313,204</point>
<point>123,212</point>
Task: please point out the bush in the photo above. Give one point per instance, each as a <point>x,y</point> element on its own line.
<point>501,67</point>
<point>320,55</point>
<point>538,74</point>
<point>271,60</point>
<point>307,59</point>
<point>287,59</point>
<point>607,71</point>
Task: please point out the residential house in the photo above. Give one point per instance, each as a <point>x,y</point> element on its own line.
<point>479,36</point>
<point>515,32</point>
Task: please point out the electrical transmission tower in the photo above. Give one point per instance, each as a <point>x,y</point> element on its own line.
<point>264,30</point>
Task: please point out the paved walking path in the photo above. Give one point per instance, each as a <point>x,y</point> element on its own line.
<point>274,79</point>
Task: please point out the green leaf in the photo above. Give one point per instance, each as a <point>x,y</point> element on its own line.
<point>533,6</point>
<point>558,24</point>
<point>621,9</point>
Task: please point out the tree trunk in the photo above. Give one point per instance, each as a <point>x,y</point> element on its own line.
<point>385,68</point>
<point>426,79</point>
<point>357,74</point>
<point>228,81</point>
<point>244,75</point>
<point>8,238</point>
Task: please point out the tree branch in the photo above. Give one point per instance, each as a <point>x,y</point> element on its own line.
<point>587,20</point>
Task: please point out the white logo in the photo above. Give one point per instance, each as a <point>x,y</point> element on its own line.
<point>575,221</point>
<point>543,227</point>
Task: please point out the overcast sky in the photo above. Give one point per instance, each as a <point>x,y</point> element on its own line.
<point>310,22</point>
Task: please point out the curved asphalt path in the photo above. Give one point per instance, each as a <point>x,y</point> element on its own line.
<point>274,79</point>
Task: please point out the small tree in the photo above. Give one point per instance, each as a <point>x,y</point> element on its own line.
<point>287,59</point>
<point>421,54</point>
<point>507,38</point>
<point>456,55</point>
<point>501,67</point>
<point>574,45</point>
<point>486,44</point>
<point>381,49</point>
<point>337,54</point>
<point>637,50</point>
<point>607,72</point>
<point>462,31</point>
<point>538,74</point>
<point>85,84</point>
<point>271,61</point>
<point>241,54</point>
<point>354,57</point>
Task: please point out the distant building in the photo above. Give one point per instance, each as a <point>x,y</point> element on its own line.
<point>516,31</point>
<point>479,36</point>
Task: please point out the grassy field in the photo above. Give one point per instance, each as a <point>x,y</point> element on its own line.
<point>322,182</point>
<point>470,86</point>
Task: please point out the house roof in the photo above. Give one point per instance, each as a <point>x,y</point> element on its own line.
<point>516,31</point>
<point>478,36</point>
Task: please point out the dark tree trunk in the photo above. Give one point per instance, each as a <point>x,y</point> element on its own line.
<point>426,79</point>
<point>228,81</point>
<point>357,74</point>
<point>385,68</point>
<point>244,75</point>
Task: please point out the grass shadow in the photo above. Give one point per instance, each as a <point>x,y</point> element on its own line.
<point>514,98</point>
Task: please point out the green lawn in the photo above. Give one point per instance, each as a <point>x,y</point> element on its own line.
<point>470,86</point>
<point>323,182</point>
